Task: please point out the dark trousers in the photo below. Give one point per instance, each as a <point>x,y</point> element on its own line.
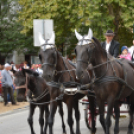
<point>7,90</point>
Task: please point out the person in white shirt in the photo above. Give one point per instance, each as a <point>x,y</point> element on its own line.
<point>111,46</point>
<point>25,66</point>
<point>39,70</point>
<point>131,51</point>
<point>16,67</point>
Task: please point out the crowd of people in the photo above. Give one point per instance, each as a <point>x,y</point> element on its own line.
<point>6,77</point>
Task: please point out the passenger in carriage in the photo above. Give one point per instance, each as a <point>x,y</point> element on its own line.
<point>110,45</point>
<point>131,50</point>
<point>125,54</point>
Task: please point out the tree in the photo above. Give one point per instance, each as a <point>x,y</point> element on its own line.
<point>11,38</point>
<point>100,15</point>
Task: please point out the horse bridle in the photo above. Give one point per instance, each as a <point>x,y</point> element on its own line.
<point>87,62</point>
<point>46,63</point>
<point>55,72</point>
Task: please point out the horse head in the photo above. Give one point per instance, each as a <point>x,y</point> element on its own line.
<point>83,52</point>
<point>48,56</point>
<point>88,51</point>
<point>19,82</point>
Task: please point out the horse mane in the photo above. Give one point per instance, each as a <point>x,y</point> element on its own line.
<point>31,72</point>
<point>99,45</point>
<point>71,63</point>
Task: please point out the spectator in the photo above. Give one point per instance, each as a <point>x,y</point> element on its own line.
<point>7,83</point>
<point>33,67</point>
<point>16,67</point>
<point>124,53</point>
<point>131,51</point>
<point>39,70</point>
<point>25,66</point>
<point>110,45</point>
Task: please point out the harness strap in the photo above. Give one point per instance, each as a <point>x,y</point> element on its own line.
<point>60,97</point>
<point>67,69</point>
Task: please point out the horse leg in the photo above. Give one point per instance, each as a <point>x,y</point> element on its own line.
<point>41,119</point>
<point>46,118</point>
<point>61,114</point>
<point>102,112</point>
<point>117,117</point>
<point>53,108</point>
<point>70,119</point>
<point>109,113</point>
<point>77,117</point>
<point>130,126</point>
<point>131,112</point>
<point>92,108</point>
<point>30,118</point>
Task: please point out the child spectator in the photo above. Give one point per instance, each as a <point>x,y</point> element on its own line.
<point>125,54</point>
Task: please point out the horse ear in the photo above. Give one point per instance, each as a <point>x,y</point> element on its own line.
<point>52,39</point>
<point>90,33</point>
<point>78,36</point>
<point>41,40</point>
<point>23,71</point>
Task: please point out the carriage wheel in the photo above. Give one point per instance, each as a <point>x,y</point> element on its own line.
<point>88,118</point>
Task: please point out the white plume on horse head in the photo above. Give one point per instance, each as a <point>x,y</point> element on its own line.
<point>50,42</point>
<point>41,39</point>
<point>84,40</point>
<point>52,39</point>
<point>78,36</point>
<point>90,34</point>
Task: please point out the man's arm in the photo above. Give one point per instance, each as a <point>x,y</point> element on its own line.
<point>116,50</point>
<point>3,80</point>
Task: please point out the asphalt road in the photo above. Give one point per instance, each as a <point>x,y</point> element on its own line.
<point>16,123</point>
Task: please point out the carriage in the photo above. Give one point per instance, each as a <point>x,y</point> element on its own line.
<point>111,87</point>
<point>88,116</point>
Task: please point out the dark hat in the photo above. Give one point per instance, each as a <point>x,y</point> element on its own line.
<point>109,32</point>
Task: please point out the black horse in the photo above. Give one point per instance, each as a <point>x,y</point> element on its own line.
<point>21,94</point>
<point>38,87</point>
<point>114,78</point>
<point>59,70</point>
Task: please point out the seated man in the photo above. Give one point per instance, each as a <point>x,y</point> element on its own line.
<point>110,45</point>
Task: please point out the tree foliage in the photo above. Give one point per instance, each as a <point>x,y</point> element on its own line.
<point>11,38</point>
<point>100,15</point>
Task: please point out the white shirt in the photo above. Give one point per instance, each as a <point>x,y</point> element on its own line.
<point>130,50</point>
<point>14,67</point>
<point>26,67</point>
<point>108,46</point>
<point>40,71</point>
